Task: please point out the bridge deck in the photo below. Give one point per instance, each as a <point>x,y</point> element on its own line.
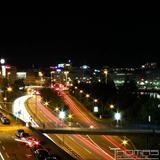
<point>100,131</point>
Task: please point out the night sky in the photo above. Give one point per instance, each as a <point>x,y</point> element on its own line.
<point>93,40</point>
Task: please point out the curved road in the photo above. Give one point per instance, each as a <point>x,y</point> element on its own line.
<point>80,147</point>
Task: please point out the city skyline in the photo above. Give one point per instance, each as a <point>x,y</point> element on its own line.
<point>96,41</point>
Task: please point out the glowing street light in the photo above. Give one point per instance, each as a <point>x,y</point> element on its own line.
<point>124,142</point>
<point>62,115</point>
<point>9,89</point>
<point>66,75</point>
<point>52,72</point>
<point>56,109</point>
<point>2,61</point>
<point>70,116</point>
<point>3,66</point>
<point>87,95</point>
<point>91,126</point>
<point>117,117</point>
<point>40,74</point>
<point>81,91</point>
<point>111,106</point>
<point>95,100</point>
<point>106,73</point>
<point>46,103</point>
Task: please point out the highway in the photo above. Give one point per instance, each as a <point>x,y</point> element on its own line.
<point>26,116</point>
<point>86,119</point>
<point>9,148</point>
<point>80,147</point>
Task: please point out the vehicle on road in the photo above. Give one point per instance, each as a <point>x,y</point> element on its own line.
<point>5,120</point>
<point>21,133</point>
<point>26,138</point>
<point>41,154</point>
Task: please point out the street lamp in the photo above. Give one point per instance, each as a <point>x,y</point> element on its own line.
<point>46,103</point>
<point>57,109</point>
<point>81,91</point>
<point>66,75</point>
<point>70,116</point>
<point>41,77</point>
<point>52,76</point>
<point>75,87</point>
<point>2,61</point>
<point>62,116</point>
<point>87,95</point>
<point>95,108</point>
<point>105,73</point>
<point>111,106</point>
<point>9,89</point>
<point>3,66</point>
<point>117,117</point>
<point>5,99</point>
<point>124,142</point>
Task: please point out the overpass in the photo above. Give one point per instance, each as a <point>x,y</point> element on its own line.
<point>101,131</point>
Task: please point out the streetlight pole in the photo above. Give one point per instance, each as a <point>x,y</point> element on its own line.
<point>52,76</point>
<point>66,76</point>
<point>117,117</point>
<point>62,116</point>
<point>3,66</point>
<point>106,73</point>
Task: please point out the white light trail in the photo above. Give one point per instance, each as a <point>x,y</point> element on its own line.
<point>19,110</point>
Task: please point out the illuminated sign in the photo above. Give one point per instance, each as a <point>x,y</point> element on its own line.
<point>21,75</point>
<point>61,65</point>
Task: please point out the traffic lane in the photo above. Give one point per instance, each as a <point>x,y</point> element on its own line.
<point>69,140</point>
<point>75,146</point>
<point>8,146</point>
<point>96,151</point>
<point>11,148</point>
<point>32,110</point>
<point>89,146</point>
<point>76,109</point>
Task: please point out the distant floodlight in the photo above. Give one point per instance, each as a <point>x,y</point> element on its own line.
<point>62,115</point>
<point>117,116</point>
<point>2,61</point>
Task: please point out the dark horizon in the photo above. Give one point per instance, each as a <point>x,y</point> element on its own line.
<point>93,40</point>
